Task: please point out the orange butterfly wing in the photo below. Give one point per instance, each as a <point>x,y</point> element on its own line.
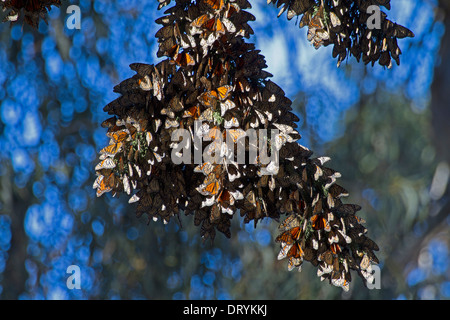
<point>105,184</point>
<point>212,187</point>
<point>218,26</point>
<point>215,4</point>
<point>184,59</point>
<point>284,237</point>
<point>223,92</point>
<point>335,248</point>
<point>200,21</point>
<point>118,136</point>
<point>112,149</point>
<point>206,99</point>
<point>193,112</point>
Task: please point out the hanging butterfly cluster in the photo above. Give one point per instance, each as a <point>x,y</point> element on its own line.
<point>350,26</point>
<point>212,86</point>
<point>31,10</point>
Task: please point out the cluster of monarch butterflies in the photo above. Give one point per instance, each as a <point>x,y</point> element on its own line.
<point>31,10</point>
<point>212,85</point>
<point>347,24</point>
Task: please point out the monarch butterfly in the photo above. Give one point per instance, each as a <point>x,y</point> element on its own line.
<point>104,184</point>
<point>212,186</point>
<point>291,250</point>
<point>316,21</point>
<point>207,115</point>
<point>295,262</point>
<point>326,257</point>
<point>165,32</point>
<point>233,174</point>
<point>215,213</point>
<point>206,99</point>
<point>157,156</point>
<point>337,191</point>
<point>133,199</point>
<point>243,85</point>
<point>193,112</point>
<point>333,237</point>
<point>184,59</point>
<point>112,149</point>
<point>210,24</point>
<point>126,184</point>
<point>202,130</point>
<point>206,43</point>
<point>234,134</point>
<point>110,122</point>
<point>359,219</point>
<point>261,116</point>
<point>214,133</point>
<point>365,262</point>
<point>291,221</point>
<point>227,105</point>
<point>279,141</point>
<point>171,124</point>
<point>341,282</point>
<point>284,128</point>
<point>237,195</point>
<point>250,198</point>
<point>187,41</point>
<point>318,172</point>
<point>284,251</point>
<point>145,83</point>
<point>296,251</point>
<point>221,69</point>
<point>348,209</point>
<point>215,4</point>
<point>330,201</point>
<point>232,8</point>
<point>335,248</point>
<point>233,122</point>
<point>229,25</point>
<point>208,202</point>
<point>168,47</point>
<point>148,137</point>
<point>118,136</point>
<point>319,223</point>
<point>222,92</point>
<point>206,168</point>
<point>107,163</point>
<point>317,30</point>
<point>289,236</point>
<point>225,198</point>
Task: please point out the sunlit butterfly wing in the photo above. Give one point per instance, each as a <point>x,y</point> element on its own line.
<point>112,149</point>
<point>215,4</point>
<point>107,163</point>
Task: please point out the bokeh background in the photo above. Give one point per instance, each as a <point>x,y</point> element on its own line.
<point>387,132</point>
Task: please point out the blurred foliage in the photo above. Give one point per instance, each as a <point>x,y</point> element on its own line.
<point>391,161</point>
<point>54,83</point>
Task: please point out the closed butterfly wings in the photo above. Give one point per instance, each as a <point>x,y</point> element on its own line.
<point>315,20</point>
<point>347,25</point>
